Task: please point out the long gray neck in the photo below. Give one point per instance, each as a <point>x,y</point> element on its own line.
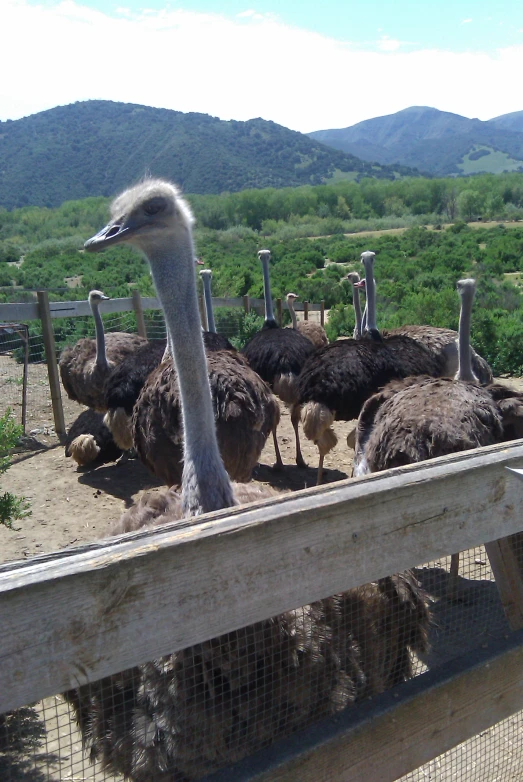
<point>357,311</point>
<point>205,483</point>
<point>370,289</point>
<point>101,355</point>
<point>208,303</point>
<point>464,351</point>
<point>290,305</point>
<point>269,312</point>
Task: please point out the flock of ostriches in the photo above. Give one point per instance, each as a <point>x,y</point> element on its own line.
<point>198,413</point>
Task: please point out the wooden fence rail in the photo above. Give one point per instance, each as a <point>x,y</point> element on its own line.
<point>24,312</point>
<point>75,616</point>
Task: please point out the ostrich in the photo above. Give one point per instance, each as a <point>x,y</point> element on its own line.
<point>313,331</point>
<point>277,355</point>
<point>124,384</point>
<point>84,367</point>
<point>89,440</point>
<point>337,379</point>
<point>420,418</point>
<point>439,341</point>
<point>199,709</point>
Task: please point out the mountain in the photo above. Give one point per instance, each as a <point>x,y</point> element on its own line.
<point>433,141</point>
<point>99,147</point>
<point>513,121</point>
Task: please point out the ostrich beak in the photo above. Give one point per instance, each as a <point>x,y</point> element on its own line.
<point>114,232</point>
<point>360,284</point>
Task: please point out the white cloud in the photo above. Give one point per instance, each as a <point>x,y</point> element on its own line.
<point>466,21</point>
<point>386,44</point>
<point>235,68</point>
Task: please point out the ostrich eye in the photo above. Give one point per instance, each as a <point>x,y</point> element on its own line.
<point>154,206</point>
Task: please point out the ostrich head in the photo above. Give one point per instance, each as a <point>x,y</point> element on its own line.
<point>149,214</point>
<point>353,278</point>
<point>205,274</point>
<point>95,297</point>
<point>264,255</point>
<point>291,297</point>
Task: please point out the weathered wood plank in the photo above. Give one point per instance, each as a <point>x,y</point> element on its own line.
<point>52,366</point>
<point>75,616</point>
<point>401,730</point>
<point>138,311</point>
<point>24,312</point>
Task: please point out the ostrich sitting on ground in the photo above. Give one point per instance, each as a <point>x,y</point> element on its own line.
<point>199,709</point>
<point>278,355</point>
<point>336,380</point>
<point>313,331</point>
<point>84,367</point>
<point>439,341</point>
<point>89,440</point>
<point>421,417</point>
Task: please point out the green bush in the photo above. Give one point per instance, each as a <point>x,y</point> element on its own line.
<point>11,507</point>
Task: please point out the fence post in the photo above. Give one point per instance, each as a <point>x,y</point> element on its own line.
<point>138,311</point>
<point>52,366</point>
<point>279,310</point>
<point>246,304</point>
<point>305,310</point>
<point>203,313</point>
<point>322,312</point>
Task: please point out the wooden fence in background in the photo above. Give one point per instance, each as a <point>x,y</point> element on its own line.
<point>46,311</point>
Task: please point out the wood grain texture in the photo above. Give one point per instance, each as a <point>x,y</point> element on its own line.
<point>400,730</point>
<point>78,615</point>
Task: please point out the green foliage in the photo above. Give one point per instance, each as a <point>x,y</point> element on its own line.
<point>231,320</point>
<point>11,507</point>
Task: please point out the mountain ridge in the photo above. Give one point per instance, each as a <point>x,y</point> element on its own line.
<point>431,140</point>
<point>92,148</point>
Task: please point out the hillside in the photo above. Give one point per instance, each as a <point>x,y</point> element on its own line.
<point>436,142</point>
<point>98,147</point>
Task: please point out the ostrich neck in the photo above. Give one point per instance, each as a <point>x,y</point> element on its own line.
<point>208,304</point>
<point>357,309</point>
<point>290,304</point>
<point>101,355</point>
<point>370,288</point>
<point>464,352</point>
<point>205,483</point>
<point>269,312</point>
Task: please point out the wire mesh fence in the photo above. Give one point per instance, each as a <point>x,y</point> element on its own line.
<point>199,710</point>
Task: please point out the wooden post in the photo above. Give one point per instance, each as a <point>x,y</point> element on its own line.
<point>52,366</point>
<point>26,367</point>
<point>138,311</point>
<point>322,312</point>
<point>246,304</point>
<point>203,313</point>
<point>305,310</point>
<point>506,560</point>
<point>279,310</point>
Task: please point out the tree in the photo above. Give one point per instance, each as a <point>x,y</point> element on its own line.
<point>470,204</point>
<point>11,507</point>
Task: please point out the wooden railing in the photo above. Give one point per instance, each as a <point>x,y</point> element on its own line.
<point>75,616</point>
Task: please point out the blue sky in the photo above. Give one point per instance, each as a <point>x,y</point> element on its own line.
<point>307,65</point>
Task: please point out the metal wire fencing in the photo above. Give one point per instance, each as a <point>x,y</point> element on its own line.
<point>201,709</point>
